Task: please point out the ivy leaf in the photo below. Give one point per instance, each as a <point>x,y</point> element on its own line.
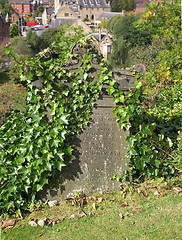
<point>64,118</point>
<point>170,143</point>
<point>138,84</point>
<point>59,165</point>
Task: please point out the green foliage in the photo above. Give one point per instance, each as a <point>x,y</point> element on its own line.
<point>20,46</point>
<point>119,5</point>
<point>127,36</point>
<point>103,23</point>
<point>47,38</point>
<point>119,55</point>
<point>21,50</point>
<point>34,41</point>
<point>40,9</point>
<point>124,26</point>
<point>153,113</point>
<point>145,54</point>
<point>34,144</point>
<point>6,8</point>
<point>13,30</point>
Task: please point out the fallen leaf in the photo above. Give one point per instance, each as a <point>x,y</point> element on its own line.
<point>99,199</point>
<point>124,194</point>
<point>22,225</point>
<point>81,215</point>
<point>176,189</point>
<point>121,216</point>
<point>41,222</point>
<point>94,206</point>
<point>69,199</point>
<point>72,216</point>
<point>139,190</point>
<point>52,203</point>
<point>39,235</point>
<point>112,199</point>
<point>124,204</point>
<point>32,223</point>
<point>156,193</point>
<point>162,193</point>
<point>81,202</point>
<point>138,211</point>
<point>144,192</point>
<point>94,197</point>
<point>9,222</point>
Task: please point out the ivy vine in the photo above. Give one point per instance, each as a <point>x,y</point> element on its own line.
<point>34,144</point>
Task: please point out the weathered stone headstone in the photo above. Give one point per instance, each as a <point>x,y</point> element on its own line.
<point>99,151</point>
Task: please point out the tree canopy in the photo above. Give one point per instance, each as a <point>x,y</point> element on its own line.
<point>6,8</point>
<point>127,36</point>
<point>119,5</point>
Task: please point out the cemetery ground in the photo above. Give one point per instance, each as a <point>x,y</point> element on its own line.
<point>151,210</point>
<point>12,96</point>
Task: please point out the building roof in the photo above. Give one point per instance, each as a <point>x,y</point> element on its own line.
<point>55,23</point>
<point>20,1</point>
<point>108,15</point>
<point>94,4</point>
<point>49,11</point>
<point>89,3</point>
<point>100,36</point>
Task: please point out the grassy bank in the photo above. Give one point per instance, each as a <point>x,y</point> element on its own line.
<point>145,213</point>
<point>12,96</point>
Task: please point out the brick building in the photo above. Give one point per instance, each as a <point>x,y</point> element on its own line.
<point>4,31</point>
<point>23,7</point>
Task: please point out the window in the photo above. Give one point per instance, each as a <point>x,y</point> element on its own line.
<point>97,2</point>
<point>85,2</point>
<point>92,17</point>
<point>91,2</point>
<point>66,14</point>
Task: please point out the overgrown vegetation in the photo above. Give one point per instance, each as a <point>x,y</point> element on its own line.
<point>154,111</point>
<point>127,36</point>
<point>34,143</point>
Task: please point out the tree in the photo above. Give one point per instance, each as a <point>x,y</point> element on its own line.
<point>48,37</point>
<point>124,26</point>
<point>40,9</point>
<point>119,56</point>
<point>127,36</point>
<point>21,47</point>
<point>119,5</point>
<point>103,23</point>
<point>6,8</point>
<point>34,41</point>
<point>13,30</point>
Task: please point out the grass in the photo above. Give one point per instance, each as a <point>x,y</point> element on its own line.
<point>3,77</point>
<point>137,216</point>
<point>12,96</point>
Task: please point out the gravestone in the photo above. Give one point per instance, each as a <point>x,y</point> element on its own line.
<point>99,151</point>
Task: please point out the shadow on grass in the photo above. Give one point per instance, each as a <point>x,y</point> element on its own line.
<point>4,77</point>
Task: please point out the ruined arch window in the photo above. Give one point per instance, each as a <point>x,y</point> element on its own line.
<point>92,17</point>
